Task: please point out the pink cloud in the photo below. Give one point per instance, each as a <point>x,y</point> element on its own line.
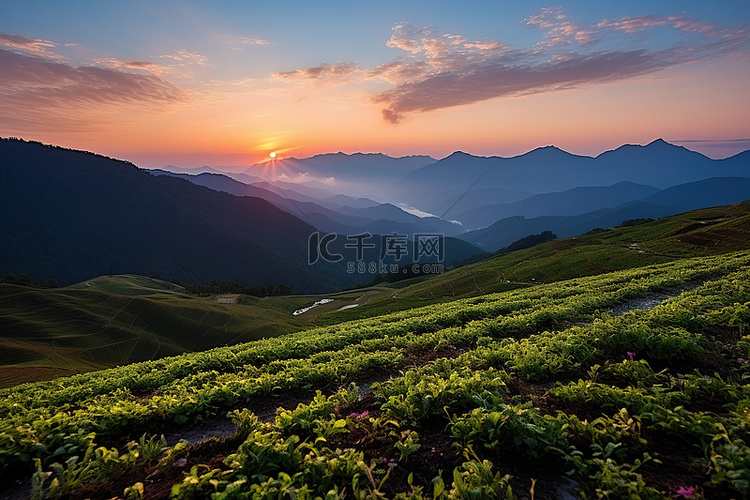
<point>325,73</point>
<point>34,88</point>
<point>130,64</point>
<point>34,45</point>
<point>559,31</point>
<point>684,24</point>
<point>633,25</point>
<point>441,70</point>
<point>456,72</point>
<point>493,80</point>
<point>405,36</point>
<point>400,71</point>
<point>184,57</point>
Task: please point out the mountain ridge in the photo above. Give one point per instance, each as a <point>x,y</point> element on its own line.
<point>71,215</point>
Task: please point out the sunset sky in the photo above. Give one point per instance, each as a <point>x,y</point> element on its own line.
<point>225,83</point>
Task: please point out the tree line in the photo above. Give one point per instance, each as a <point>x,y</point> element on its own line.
<point>221,287</point>
<point>23,279</point>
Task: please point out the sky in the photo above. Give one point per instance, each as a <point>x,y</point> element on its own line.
<point>226,83</point>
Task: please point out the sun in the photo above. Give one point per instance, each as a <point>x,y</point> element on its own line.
<point>272,154</point>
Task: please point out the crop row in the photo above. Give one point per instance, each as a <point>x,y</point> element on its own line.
<point>524,333</point>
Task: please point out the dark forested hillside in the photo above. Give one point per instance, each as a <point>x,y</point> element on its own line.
<point>71,215</point>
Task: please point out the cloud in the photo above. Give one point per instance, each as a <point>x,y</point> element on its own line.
<point>248,40</point>
<point>325,73</point>
<point>34,45</point>
<point>34,89</point>
<point>304,178</point>
<point>493,80</point>
<point>185,57</point>
<point>633,25</point>
<point>403,38</point>
<point>130,64</point>
<point>441,71</point>
<point>436,70</point>
<point>559,31</point>
<point>400,71</point>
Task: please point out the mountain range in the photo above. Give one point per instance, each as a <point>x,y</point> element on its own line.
<point>71,215</point>
<point>333,214</point>
<point>549,169</point>
<point>546,189</point>
<point>677,199</point>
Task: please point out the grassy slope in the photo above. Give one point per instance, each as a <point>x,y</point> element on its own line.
<point>697,233</point>
<point>117,320</point>
<point>496,377</point>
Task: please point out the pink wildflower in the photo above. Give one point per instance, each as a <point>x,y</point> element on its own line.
<point>631,355</point>
<point>686,492</point>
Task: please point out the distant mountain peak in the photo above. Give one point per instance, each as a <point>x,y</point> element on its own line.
<point>546,151</point>
<point>662,144</point>
<point>657,145</point>
<point>547,148</point>
<point>457,155</point>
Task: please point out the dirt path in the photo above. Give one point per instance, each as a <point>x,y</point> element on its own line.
<point>652,300</point>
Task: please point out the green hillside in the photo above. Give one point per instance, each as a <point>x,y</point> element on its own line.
<point>702,232</point>
<point>128,284</point>
<point>600,386</point>
<point>115,320</point>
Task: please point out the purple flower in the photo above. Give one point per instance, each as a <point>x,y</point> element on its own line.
<point>631,355</point>
<point>364,414</point>
<point>390,463</point>
<point>686,492</point>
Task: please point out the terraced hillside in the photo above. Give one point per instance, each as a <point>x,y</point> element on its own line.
<point>709,231</point>
<point>524,393</point>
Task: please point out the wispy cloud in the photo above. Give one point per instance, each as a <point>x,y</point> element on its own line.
<point>34,89</point>
<point>130,64</point>
<point>443,71</point>
<point>251,40</point>
<point>633,25</point>
<point>185,57</point>
<point>489,81</point>
<point>325,73</point>
<point>36,46</point>
<point>559,30</point>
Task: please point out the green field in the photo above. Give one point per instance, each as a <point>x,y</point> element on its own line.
<point>115,320</point>
<point>110,321</point>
